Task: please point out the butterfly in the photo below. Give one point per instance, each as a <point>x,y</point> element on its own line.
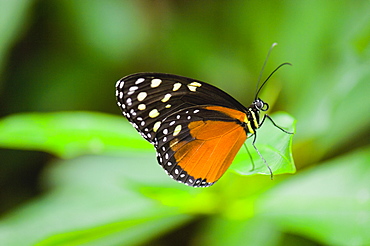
<point>196,128</point>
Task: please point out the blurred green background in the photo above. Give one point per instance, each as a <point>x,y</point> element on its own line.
<point>74,172</point>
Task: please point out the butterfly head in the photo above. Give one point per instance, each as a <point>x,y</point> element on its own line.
<point>260,105</point>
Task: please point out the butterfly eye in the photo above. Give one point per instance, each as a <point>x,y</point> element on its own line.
<point>265,106</point>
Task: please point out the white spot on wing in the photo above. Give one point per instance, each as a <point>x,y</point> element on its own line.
<point>141,96</point>
<point>141,107</point>
<point>155,83</point>
<point>166,97</point>
<point>139,80</point>
<point>194,85</point>
<point>177,130</point>
<point>176,86</point>
<point>192,88</point>
<point>154,113</point>
<point>133,88</point>
<point>156,126</point>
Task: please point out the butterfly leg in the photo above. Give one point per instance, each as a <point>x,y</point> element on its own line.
<point>250,156</point>
<point>272,121</point>
<point>264,160</point>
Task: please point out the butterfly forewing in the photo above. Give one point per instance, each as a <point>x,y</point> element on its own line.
<point>171,111</point>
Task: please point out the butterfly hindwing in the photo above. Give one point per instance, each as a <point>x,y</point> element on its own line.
<point>196,145</point>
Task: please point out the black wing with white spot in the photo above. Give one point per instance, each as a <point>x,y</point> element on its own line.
<point>146,99</point>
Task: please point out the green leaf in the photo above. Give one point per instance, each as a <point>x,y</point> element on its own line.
<point>127,232</point>
<point>274,145</point>
<point>70,134</point>
<point>93,200</point>
<point>330,203</point>
<point>220,231</point>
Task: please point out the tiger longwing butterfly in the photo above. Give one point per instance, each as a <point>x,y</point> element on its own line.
<point>196,128</point>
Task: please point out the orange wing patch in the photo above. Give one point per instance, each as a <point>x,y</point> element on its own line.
<point>213,150</point>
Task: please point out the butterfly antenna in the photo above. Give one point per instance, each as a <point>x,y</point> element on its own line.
<point>263,68</point>
<point>283,64</point>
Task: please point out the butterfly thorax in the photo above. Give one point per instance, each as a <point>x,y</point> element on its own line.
<point>251,120</point>
<point>252,115</point>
